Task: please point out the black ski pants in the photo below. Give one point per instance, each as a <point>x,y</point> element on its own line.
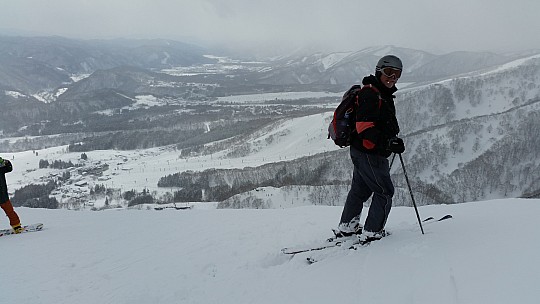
<point>371,176</point>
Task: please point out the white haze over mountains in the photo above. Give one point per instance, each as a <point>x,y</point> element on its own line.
<point>478,25</point>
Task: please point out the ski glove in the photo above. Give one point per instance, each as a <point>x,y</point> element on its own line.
<point>396,145</point>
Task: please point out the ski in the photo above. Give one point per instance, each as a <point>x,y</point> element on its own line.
<point>448,216</point>
<point>27,228</point>
<point>333,242</point>
<point>320,255</point>
<point>352,245</point>
<point>357,244</point>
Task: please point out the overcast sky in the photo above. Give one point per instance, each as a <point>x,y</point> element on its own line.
<point>431,25</point>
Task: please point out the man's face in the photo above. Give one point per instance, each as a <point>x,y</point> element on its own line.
<point>389,76</point>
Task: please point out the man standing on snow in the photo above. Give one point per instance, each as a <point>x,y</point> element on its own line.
<point>376,139</point>
<point>5,203</point>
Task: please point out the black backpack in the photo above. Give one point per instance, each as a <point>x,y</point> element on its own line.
<point>343,123</point>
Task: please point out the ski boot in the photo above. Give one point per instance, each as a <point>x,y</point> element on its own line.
<point>18,228</point>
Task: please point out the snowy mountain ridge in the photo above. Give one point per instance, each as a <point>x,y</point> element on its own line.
<point>485,123</point>
<point>466,123</point>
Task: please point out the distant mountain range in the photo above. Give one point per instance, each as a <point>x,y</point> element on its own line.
<point>470,120</point>
<point>36,64</point>
<point>351,67</point>
<point>41,65</point>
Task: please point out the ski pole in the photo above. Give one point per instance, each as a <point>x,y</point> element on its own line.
<point>410,191</point>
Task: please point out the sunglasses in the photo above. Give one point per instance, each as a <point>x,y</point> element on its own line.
<point>391,72</point>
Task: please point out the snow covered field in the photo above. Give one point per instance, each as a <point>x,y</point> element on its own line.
<point>139,169</point>
<point>488,253</point>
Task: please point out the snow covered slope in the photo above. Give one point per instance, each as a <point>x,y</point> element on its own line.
<point>284,140</point>
<point>488,253</point>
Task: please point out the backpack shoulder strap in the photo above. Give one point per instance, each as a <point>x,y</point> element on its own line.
<point>374,89</point>
<point>353,90</point>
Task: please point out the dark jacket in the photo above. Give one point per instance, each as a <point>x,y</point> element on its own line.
<point>5,167</point>
<point>376,120</point>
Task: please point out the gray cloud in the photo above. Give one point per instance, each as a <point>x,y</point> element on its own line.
<point>341,24</point>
